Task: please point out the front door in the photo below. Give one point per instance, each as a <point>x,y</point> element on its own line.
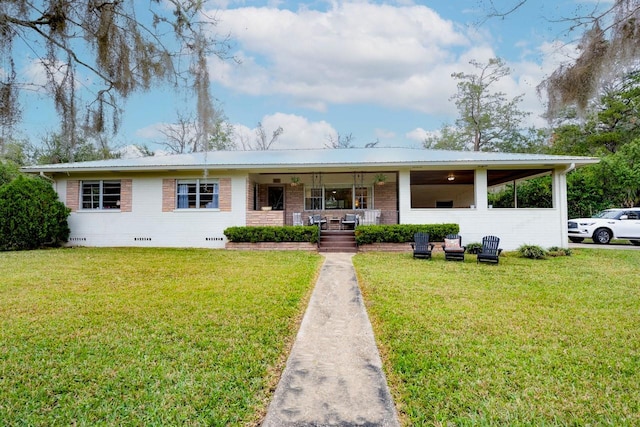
<point>275,197</point>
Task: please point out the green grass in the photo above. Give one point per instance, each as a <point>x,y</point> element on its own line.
<point>146,336</point>
<point>525,342</point>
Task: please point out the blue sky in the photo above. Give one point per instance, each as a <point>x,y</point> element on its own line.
<point>375,70</point>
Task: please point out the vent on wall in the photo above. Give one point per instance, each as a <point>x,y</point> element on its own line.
<point>142,239</point>
<point>214,239</point>
<point>77,239</point>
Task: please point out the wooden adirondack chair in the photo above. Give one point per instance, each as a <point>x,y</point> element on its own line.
<point>490,251</point>
<point>421,246</point>
<point>453,249</point>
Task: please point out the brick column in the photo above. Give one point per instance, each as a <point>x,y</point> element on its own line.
<point>168,195</point>
<point>126,195</point>
<point>72,199</point>
<point>224,194</point>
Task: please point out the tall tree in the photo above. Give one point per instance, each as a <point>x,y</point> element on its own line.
<point>610,122</point>
<point>340,141</point>
<point>179,137</point>
<point>609,45</point>
<point>488,120</point>
<point>262,141</point>
<point>122,46</point>
<point>55,149</point>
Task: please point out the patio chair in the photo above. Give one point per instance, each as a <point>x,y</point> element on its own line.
<point>490,251</point>
<point>297,218</point>
<point>452,247</point>
<point>371,217</point>
<point>319,220</point>
<point>349,220</point>
<point>421,246</point>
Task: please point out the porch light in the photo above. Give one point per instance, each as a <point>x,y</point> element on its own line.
<point>451,177</point>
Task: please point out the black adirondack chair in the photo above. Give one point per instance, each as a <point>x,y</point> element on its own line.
<point>421,246</point>
<point>490,251</point>
<point>453,249</point>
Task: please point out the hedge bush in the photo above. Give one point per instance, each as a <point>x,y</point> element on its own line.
<point>31,216</point>
<point>287,233</point>
<point>402,233</point>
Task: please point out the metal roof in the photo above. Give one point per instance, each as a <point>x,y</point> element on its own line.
<point>314,159</point>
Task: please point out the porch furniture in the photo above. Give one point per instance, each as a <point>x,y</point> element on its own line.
<point>453,249</point>
<point>371,217</point>
<point>350,221</point>
<point>297,218</point>
<point>318,220</point>
<point>334,223</point>
<point>421,246</point>
<point>490,251</point>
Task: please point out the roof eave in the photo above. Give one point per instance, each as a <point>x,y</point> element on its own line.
<point>582,161</point>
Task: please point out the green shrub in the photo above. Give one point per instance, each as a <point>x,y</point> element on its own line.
<point>31,216</point>
<point>532,251</point>
<point>272,234</point>
<point>402,233</point>
<point>8,172</point>
<point>474,248</point>
<point>556,251</point>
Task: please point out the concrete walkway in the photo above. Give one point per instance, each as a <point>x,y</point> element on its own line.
<point>334,374</point>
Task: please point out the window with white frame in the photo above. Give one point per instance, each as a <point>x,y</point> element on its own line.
<point>100,194</point>
<point>197,194</point>
<point>337,197</point>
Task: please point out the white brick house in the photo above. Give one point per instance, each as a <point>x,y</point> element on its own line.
<point>188,200</point>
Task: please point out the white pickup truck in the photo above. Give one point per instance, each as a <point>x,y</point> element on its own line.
<point>609,224</point>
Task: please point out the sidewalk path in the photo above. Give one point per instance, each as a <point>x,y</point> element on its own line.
<point>334,374</point>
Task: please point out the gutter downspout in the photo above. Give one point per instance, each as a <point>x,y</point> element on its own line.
<point>564,205</point>
<point>53,182</point>
<point>569,168</point>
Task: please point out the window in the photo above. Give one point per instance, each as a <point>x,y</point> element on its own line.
<point>100,194</point>
<point>337,197</point>
<point>313,199</point>
<point>197,194</point>
<point>362,198</point>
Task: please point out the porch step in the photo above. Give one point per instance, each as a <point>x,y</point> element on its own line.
<point>337,241</point>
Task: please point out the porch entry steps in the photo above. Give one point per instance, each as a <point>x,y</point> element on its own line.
<point>337,241</point>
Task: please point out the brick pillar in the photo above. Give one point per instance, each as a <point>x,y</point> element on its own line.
<point>126,195</point>
<point>224,194</point>
<point>72,199</point>
<point>168,195</point>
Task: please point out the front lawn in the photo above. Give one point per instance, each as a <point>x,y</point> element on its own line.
<point>525,342</point>
<point>146,336</point>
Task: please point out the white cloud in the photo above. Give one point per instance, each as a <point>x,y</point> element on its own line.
<point>397,56</point>
<point>153,131</point>
<point>35,72</point>
<point>299,132</point>
<point>419,134</point>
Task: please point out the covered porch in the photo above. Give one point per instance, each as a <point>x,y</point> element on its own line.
<point>274,198</point>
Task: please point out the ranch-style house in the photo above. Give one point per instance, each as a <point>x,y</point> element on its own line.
<point>188,200</point>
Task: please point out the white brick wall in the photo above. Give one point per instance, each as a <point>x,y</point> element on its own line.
<point>148,225</point>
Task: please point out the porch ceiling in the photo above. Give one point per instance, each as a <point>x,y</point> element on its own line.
<point>462,177</point>
<point>466,177</point>
<point>496,177</point>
